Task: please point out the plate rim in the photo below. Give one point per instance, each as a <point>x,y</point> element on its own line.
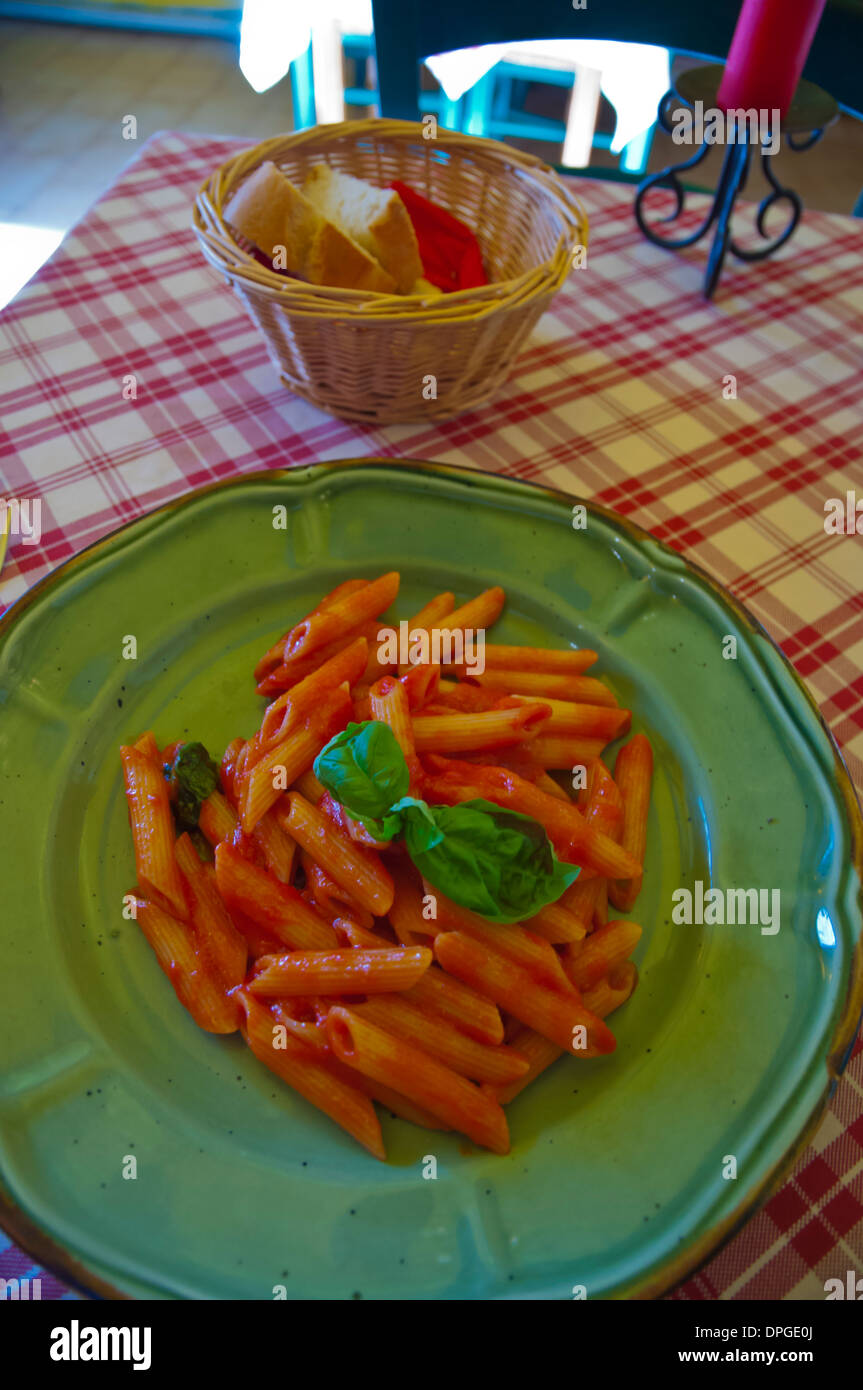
<point>60,1261</point>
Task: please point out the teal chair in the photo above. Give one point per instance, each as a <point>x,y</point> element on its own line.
<point>494,106</point>
<point>361,49</point>
<point>303,90</point>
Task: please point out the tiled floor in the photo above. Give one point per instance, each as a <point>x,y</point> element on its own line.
<point>64,92</point>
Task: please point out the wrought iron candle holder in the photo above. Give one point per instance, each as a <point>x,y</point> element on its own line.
<point>811,111</point>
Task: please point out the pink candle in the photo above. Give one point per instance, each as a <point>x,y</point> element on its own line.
<point>770,45</point>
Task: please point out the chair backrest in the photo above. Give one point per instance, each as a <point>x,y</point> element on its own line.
<point>407,31</point>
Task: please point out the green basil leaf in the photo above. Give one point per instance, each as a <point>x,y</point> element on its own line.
<point>426,834</point>
<point>498,863</point>
<point>364,769</point>
<point>193,777</point>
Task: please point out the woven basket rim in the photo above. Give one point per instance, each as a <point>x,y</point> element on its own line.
<point>241,269</point>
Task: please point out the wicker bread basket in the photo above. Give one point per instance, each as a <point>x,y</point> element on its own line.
<point>385,358</point>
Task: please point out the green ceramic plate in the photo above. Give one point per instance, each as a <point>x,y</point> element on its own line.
<point>615,1181</point>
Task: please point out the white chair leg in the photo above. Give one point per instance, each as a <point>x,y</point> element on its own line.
<point>582,109</point>
<point>327,68</point>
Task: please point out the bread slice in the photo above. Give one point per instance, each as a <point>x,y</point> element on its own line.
<point>375,218</point>
<point>271,213</point>
<point>268,212</point>
<point>425,287</point>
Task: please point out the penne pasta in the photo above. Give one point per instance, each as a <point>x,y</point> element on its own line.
<point>562,1018</point>
<point>281,766</point>
<point>570,720</point>
<point>613,989</point>
<point>388,701</point>
<point>606,996</point>
<point>354,828</point>
<point>633,773</point>
<point>547,784</point>
<point>450,626</point>
<point>601,952</point>
<point>275,656</point>
<point>308,784</point>
<point>233,755</point>
<point>147,745</point>
<point>406,1019</point>
<point>399,1106</point>
<point>306,1073</point>
<point>604,811</point>
<point>381,971</point>
<point>556,924</point>
<point>421,686</point>
<point>303,1020</point>
<point>565,753</point>
<point>353,866</point>
<point>600,907</point>
<point>604,802</point>
<point>329,897</point>
<point>429,616</point>
<point>217,820</point>
<point>259,941</point>
<point>517,759</point>
<point>341,617</point>
<point>585,690</point>
<point>450,999</point>
<point>216,938</point>
<point>459,733</point>
<point>296,704</point>
<point>276,848</point>
<point>563,663</point>
<point>422,1079</point>
<point>463,696</point>
<point>272,905</point>
<point>538,1052</point>
<point>353,933</point>
<point>407,910</point>
<point>530,952</point>
<point>478,613</point>
<point>152,831</point>
<point>195,983</point>
<point>433,612</point>
<point>284,677</point>
<point>581,899</point>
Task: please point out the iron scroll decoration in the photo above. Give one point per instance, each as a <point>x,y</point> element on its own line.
<point>809,115</point>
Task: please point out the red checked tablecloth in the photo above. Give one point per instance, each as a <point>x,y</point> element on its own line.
<point>621,395</point>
